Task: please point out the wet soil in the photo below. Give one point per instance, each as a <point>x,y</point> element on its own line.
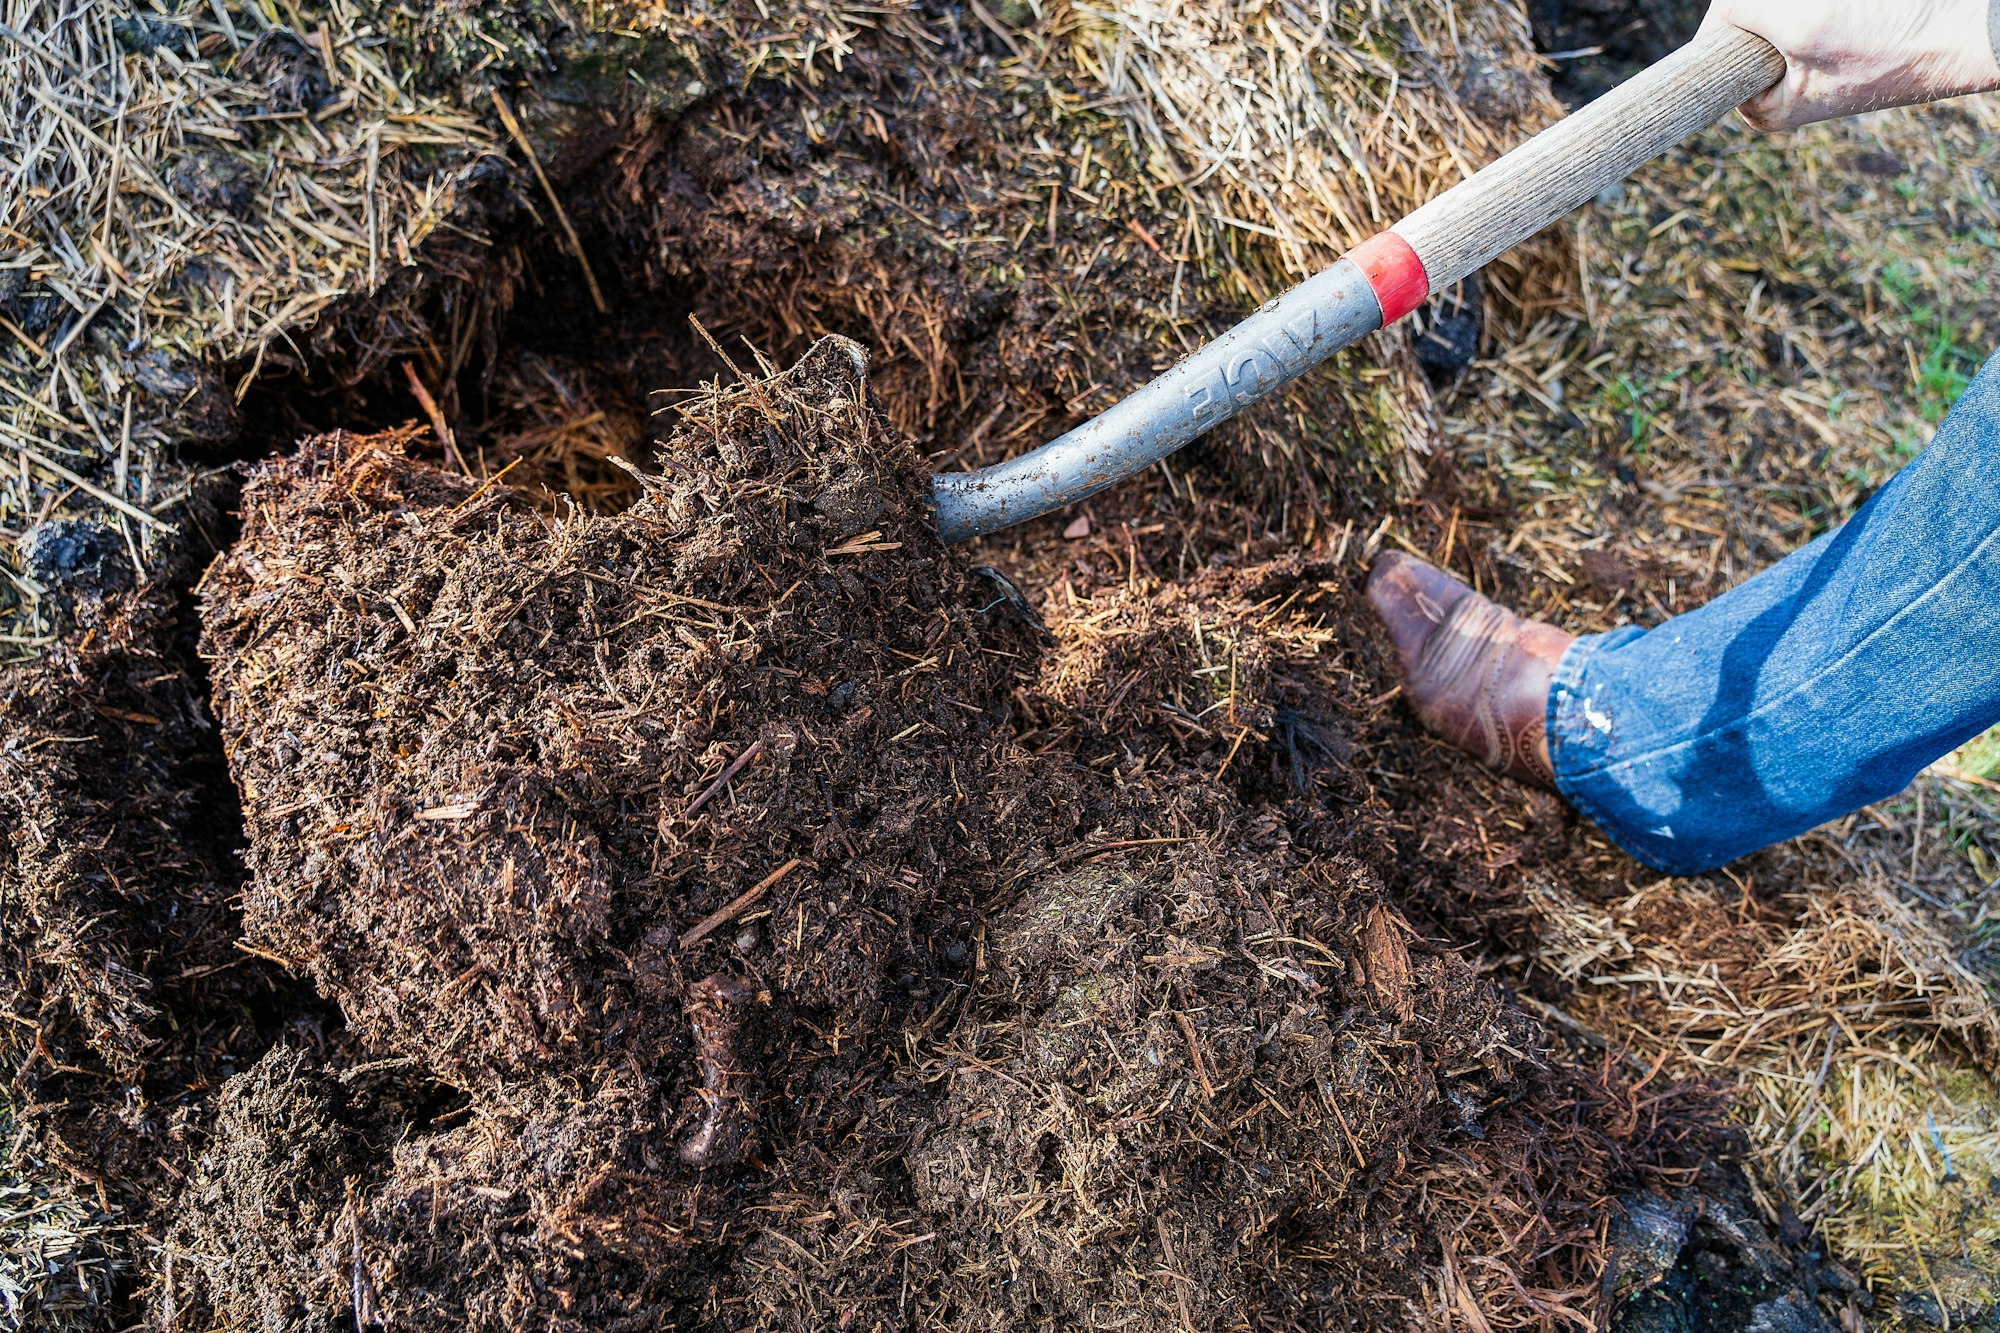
<point>1601,43</point>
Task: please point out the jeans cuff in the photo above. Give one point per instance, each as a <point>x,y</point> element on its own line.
<point>1580,749</point>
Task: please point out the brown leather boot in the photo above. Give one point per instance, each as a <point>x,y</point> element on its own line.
<point>1477,674</point>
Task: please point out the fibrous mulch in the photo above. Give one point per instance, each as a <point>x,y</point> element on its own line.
<point>118,879</point>
<point>727,937</point>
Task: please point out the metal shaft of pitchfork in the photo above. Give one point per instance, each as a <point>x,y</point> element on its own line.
<point>1373,285</point>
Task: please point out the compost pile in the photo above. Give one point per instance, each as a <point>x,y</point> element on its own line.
<point>542,877</point>
<point>740,911</point>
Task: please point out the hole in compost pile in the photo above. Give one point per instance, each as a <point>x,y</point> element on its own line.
<point>876,213</point>
<point>497,341</point>
<point>403,1097</point>
<point>508,361</point>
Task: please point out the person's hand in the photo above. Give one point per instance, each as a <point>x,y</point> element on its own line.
<point>1844,56</point>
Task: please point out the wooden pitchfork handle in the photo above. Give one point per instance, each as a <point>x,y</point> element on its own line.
<point>1374,284</point>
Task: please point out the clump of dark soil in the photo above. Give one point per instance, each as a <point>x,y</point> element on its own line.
<point>1701,1260</point>
<point>1601,43</point>
<point>808,945</point>
<point>251,1222</point>
<point>326,1197</point>
<point>692,799</point>
<point>500,767</point>
<point>120,982</point>
<point>78,557</point>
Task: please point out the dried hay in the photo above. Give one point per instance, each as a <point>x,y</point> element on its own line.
<point>61,1256</point>
<point>1294,130</point>
<point>183,186</point>
<point>1858,1042</point>
<point>1284,133</point>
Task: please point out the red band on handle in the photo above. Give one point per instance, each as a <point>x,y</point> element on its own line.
<point>1394,271</point>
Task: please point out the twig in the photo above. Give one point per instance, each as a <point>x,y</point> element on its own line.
<point>82,322</point>
<point>562,216</point>
<point>750,752</point>
<point>756,388</point>
<point>1194,1052</point>
<point>1078,855</point>
<point>999,30</point>
<point>439,426</point>
<point>266,954</point>
<point>41,352</point>
<point>722,916</point>
<point>486,485</point>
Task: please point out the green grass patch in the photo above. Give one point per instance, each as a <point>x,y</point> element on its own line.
<point>1980,758</point>
<point>1945,359</point>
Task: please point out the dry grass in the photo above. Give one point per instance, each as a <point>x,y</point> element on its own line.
<point>1294,130</point>
<point>1284,133</point>
<point>1857,1040</point>
<point>59,1256</point>
<point>183,186</point>
<point>1764,332</point>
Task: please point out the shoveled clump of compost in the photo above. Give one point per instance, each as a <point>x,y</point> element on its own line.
<point>508,775</point>
<point>812,945</point>
<point>287,1148</point>
<point>322,1199</point>
<point>123,997</point>
<point>692,799</point>
<point>1205,1086</point>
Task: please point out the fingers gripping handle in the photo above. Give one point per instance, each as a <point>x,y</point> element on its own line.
<point>1457,233</point>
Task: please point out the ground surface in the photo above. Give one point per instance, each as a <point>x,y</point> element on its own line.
<point>720,906</point>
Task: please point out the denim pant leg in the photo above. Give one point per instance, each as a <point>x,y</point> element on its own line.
<point>1820,685</point>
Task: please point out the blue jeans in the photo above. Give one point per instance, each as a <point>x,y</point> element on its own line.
<point>1822,684</point>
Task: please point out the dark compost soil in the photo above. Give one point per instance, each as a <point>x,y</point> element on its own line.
<point>120,981</point>
<point>793,970</point>
<point>475,823</point>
